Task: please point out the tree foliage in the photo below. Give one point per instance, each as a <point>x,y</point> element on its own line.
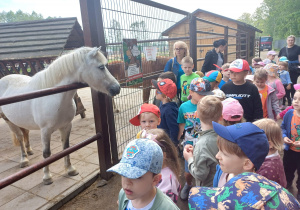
<point>139,30</point>
<point>276,18</point>
<point>8,17</point>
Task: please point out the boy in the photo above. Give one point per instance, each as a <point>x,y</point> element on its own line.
<point>226,74</point>
<point>185,79</point>
<point>166,90</point>
<point>285,78</point>
<point>140,169</point>
<point>148,117</point>
<point>269,100</point>
<point>189,123</point>
<point>214,77</point>
<point>202,158</point>
<point>242,90</point>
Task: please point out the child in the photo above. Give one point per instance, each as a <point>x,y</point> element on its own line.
<point>214,77</point>
<point>290,132</point>
<point>273,80</point>
<point>250,78</point>
<point>140,169</point>
<point>201,158</point>
<point>245,92</point>
<point>232,112</point>
<point>285,78</point>
<point>170,172</point>
<point>219,94</point>
<point>185,79</point>
<point>189,123</point>
<point>242,148</point>
<point>255,64</point>
<point>226,74</point>
<point>268,95</point>
<point>272,167</point>
<point>200,73</point>
<point>281,114</point>
<point>166,90</point>
<point>148,118</point>
<point>270,57</point>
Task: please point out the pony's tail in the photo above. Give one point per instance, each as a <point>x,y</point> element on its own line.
<point>25,137</point>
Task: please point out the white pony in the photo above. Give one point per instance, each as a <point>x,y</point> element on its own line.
<point>49,113</point>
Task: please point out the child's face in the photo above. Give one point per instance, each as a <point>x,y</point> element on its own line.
<point>159,95</point>
<point>149,120</point>
<point>187,68</point>
<point>238,77</point>
<point>213,85</point>
<point>195,97</point>
<point>140,188</point>
<point>226,73</point>
<point>296,101</point>
<point>271,57</point>
<point>281,67</point>
<point>230,163</point>
<point>260,83</point>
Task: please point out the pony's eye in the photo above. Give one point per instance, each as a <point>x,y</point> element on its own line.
<point>101,67</point>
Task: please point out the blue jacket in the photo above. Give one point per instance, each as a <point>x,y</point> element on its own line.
<point>176,69</point>
<point>217,176</point>
<point>285,77</point>
<point>286,126</point>
<point>169,115</point>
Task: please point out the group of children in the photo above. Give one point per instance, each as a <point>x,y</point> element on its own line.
<point>230,141</point>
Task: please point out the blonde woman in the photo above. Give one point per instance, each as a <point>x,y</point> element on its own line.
<point>180,49</point>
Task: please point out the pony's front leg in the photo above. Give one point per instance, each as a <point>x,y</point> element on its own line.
<point>65,134</point>
<point>46,137</point>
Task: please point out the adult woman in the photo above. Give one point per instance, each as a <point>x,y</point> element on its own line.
<point>292,52</point>
<point>214,56</point>
<point>180,49</point>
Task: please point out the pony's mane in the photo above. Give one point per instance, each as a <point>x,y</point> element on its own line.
<point>58,69</point>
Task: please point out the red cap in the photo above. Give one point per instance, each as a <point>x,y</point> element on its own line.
<point>145,108</point>
<point>239,65</point>
<point>166,86</point>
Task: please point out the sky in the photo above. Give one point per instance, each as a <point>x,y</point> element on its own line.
<point>70,8</point>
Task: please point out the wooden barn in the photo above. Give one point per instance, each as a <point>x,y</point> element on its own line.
<point>210,27</point>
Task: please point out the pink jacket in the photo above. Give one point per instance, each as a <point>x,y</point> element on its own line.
<point>281,114</point>
<point>272,104</point>
<point>278,86</point>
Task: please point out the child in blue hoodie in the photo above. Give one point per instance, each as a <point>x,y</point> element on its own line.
<point>166,91</point>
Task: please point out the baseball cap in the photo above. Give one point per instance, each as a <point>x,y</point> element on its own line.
<point>219,94</point>
<point>250,77</point>
<point>213,76</point>
<point>201,86</point>
<point>139,157</point>
<point>272,69</point>
<point>239,65</point>
<point>271,52</point>
<point>296,86</point>
<point>232,109</point>
<point>251,139</point>
<point>247,191</point>
<point>166,86</point>
<point>283,59</point>
<point>145,108</point>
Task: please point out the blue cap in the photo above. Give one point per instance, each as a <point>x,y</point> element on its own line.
<point>283,59</point>
<point>139,157</point>
<point>250,138</point>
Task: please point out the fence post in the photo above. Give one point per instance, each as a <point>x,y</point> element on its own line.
<point>103,112</point>
<point>226,49</point>
<point>193,39</point>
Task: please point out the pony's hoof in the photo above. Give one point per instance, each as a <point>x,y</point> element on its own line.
<point>24,164</point>
<point>73,172</point>
<point>47,181</point>
<point>29,152</point>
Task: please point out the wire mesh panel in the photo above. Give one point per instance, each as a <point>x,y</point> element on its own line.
<point>125,19</point>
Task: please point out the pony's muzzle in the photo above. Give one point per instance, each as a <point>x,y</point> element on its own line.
<point>114,89</point>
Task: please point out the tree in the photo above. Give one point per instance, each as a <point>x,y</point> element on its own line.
<point>246,18</point>
<point>139,30</point>
<point>114,32</point>
<point>8,17</point>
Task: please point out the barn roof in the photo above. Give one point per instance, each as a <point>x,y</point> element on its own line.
<point>166,32</point>
<point>39,39</point>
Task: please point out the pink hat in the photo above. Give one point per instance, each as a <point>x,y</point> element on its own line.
<point>239,65</point>
<point>272,52</point>
<point>232,110</point>
<point>296,86</point>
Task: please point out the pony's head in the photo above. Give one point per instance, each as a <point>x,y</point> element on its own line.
<point>95,73</point>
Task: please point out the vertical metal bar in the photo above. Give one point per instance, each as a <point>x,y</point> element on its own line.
<point>226,49</point>
<point>94,36</point>
<point>193,39</point>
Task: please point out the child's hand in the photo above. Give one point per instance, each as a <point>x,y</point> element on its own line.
<point>287,141</point>
<point>296,143</point>
<point>288,87</point>
<point>278,117</point>
<point>188,152</point>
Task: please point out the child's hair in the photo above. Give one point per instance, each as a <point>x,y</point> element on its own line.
<point>187,59</point>
<point>230,147</point>
<point>209,109</point>
<point>168,75</point>
<point>200,73</point>
<point>225,66</point>
<point>171,160</point>
<point>227,123</point>
<point>272,131</point>
<point>261,73</point>
<point>257,59</point>
<point>285,64</point>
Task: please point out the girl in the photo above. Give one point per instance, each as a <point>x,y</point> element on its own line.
<point>285,78</point>
<point>274,81</point>
<point>170,172</point>
<point>290,132</point>
<point>272,167</point>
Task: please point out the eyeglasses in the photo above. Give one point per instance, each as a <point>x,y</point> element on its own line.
<point>177,49</point>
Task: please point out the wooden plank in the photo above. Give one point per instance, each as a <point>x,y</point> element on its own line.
<point>15,31</point>
<point>31,43</point>
<point>39,54</point>
<point>34,38</point>
<point>32,49</point>
<point>36,33</point>
<point>6,71</point>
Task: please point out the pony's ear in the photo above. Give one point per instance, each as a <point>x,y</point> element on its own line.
<point>93,52</point>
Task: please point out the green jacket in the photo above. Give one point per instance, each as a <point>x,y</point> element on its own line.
<point>161,202</point>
